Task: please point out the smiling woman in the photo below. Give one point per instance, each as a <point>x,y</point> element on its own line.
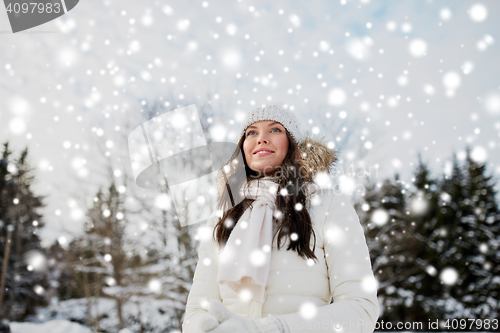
<point>265,146</point>
<point>262,286</point>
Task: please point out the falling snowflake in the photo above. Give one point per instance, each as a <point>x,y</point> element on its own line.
<point>335,235</point>
<point>431,270</point>
<point>162,202</point>
<point>106,213</point>
<point>231,29</point>
<point>110,281</point>
<point>358,49</point>
<point>308,310</point>
<point>182,25</point>
<point>449,276</point>
<point>347,184</point>
<point>429,89</point>
<point>419,205</point>
<point>492,103</point>
<point>257,258</point>
<point>324,46</point>
<point>369,284</point>
<point>62,241</point>
<point>295,20</point>
<point>467,67</point>
<point>17,126</point>
<point>245,295</point>
<point>445,197</point>
<point>478,13</point>
<point>36,260</point>
<point>445,14</point>
<point>451,80</point>
<point>39,289</point>
<point>231,58</point>
<point>479,154</point>
<point>380,217</point>
<point>391,26</point>
<point>336,97</point>
<point>418,48</point>
<point>154,285</point>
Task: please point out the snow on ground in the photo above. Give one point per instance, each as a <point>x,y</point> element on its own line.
<point>53,326</point>
<point>155,315</point>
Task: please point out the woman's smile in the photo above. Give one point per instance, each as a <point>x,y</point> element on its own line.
<point>263,152</point>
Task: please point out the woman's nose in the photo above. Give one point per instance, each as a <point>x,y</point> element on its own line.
<point>262,138</point>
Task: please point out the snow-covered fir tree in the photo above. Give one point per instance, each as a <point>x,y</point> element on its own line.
<point>468,242</point>
<point>434,246</point>
<point>25,281</point>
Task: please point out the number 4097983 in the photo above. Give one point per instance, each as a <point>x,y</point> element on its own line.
<point>471,324</point>
<point>34,7</point>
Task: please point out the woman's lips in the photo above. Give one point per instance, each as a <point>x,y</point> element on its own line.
<point>261,153</point>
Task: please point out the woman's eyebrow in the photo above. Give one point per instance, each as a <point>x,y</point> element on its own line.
<point>252,126</point>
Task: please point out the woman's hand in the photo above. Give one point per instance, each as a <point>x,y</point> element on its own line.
<point>209,323</point>
<point>231,322</point>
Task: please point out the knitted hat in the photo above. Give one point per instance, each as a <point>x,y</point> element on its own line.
<point>314,155</point>
<point>277,113</point>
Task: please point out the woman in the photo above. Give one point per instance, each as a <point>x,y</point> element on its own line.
<point>290,256</point>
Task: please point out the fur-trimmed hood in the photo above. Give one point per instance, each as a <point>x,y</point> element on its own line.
<point>316,157</point>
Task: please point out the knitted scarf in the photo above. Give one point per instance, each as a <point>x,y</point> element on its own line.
<point>244,263</point>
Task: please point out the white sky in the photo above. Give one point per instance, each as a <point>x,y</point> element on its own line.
<point>92,67</point>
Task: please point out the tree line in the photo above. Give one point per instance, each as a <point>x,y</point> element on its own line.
<point>433,244</point>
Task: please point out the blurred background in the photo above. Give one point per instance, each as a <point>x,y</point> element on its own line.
<point>407,93</point>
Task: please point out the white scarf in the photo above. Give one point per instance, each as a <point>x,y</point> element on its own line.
<point>244,263</point>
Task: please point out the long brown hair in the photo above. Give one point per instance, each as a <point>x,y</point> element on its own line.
<point>292,177</point>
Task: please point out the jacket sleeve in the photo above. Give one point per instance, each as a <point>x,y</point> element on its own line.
<point>352,284</point>
<point>204,287</point>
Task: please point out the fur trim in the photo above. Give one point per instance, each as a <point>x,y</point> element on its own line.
<point>315,157</point>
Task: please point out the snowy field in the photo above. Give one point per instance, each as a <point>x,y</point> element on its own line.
<point>64,326</point>
<point>53,326</point>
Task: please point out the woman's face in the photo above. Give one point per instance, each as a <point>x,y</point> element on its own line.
<point>265,146</point>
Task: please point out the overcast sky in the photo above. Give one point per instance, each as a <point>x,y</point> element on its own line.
<point>409,77</point>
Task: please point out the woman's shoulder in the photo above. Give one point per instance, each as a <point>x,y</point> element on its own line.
<point>328,196</point>
<point>325,203</point>
<point>334,218</point>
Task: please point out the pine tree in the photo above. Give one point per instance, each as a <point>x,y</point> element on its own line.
<point>25,282</point>
<point>421,250</point>
<point>437,255</point>
<point>469,224</point>
<point>385,223</point>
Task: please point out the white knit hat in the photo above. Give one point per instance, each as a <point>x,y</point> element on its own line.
<point>277,113</point>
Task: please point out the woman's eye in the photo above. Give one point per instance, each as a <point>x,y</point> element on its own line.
<point>274,128</point>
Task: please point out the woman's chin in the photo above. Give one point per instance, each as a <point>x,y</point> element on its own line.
<point>264,170</point>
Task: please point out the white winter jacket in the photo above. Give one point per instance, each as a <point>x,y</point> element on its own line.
<point>335,294</point>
